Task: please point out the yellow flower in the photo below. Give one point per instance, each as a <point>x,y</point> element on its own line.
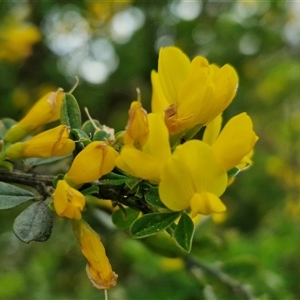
<point>147,163</point>
<point>190,93</point>
<point>98,268</point>
<point>68,202</point>
<point>95,160</point>
<point>17,39</point>
<point>235,142</point>
<point>53,142</point>
<point>46,110</point>
<point>137,130</point>
<point>193,178</point>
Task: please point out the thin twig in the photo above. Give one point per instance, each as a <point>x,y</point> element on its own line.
<point>237,287</point>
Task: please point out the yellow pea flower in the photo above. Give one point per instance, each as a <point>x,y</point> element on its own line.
<point>147,163</point>
<point>193,178</point>
<point>46,110</point>
<point>68,202</point>
<point>95,160</point>
<point>235,142</point>
<point>53,142</point>
<point>137,130</point>
<point>98,268</point>
<point>190,93</point>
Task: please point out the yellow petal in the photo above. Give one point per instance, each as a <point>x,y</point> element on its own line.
<point>173,68</point>
<point>68,202</point>
<point>139,164</point>
<point>158,102</point>
<point>212,130</point>
<point>226,83</point>
<point>98,268</point>
<point>206,204</point>
<point>192,168</point>
<point>158,144</point>
<point>235,141</point>
<point>95,160</point>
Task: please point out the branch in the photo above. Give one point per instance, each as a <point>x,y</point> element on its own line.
<point>237,287</point>
<point>42,183</point>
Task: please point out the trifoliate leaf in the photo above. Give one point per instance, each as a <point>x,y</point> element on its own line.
<point>152,223</point>
<point>11,196</point>
<point>34,223</point>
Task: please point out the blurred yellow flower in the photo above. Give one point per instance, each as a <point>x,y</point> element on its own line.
<point>68,202</point>
<point>46,110</point>
<point>193,178</point>
<point>98,268</point>
<point>95,160</point>
<point>53,142</point>
<point>17,39</point>
<point>147,163</point>
<point>190,93</point>
<point>137,129</point>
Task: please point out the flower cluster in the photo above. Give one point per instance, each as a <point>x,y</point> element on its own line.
<point>161,153</point>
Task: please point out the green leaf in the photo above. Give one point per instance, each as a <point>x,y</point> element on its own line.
<point>70,114</point>
<point>80,135</point>
<point>123,218</point>
<point>11,196</point>
<point>34,223</point>
<point>117,179</point>
<point>89,128</point>
<point>34,162</point>
<point>184,232</point>
<point>57,178</point>
<point>233,172</point>
<point>152,197</point>
<point>152,223</point>
<point>101,136</point>
<point>90,190</point>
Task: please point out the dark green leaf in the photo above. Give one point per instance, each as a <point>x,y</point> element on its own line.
<point>34,223</point>
<point>152,223</point>
<point>184,232</point>
<point>11,196</point>
<point>123,218</point>
<point>152,197</point>
<point>70,114</point>
<point>117,179</point>
<point>233,172</point>
<point>90,190</point>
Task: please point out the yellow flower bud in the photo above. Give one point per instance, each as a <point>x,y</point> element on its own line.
<point>53,142</point>
<point>98,268</point>
<point>68,202</point>
<point>95,160</point>
<point>46,110</point>
<point>137,130</point>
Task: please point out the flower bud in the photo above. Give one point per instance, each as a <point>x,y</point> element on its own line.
<point>137,130</point>
<point>46,110</point>
<point>53,142</point>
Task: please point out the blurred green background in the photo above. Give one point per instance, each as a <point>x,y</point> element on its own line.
<point>112,46</point>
